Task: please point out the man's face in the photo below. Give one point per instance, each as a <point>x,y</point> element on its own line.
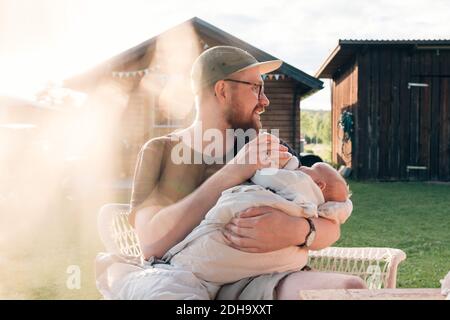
<point>244,107</point>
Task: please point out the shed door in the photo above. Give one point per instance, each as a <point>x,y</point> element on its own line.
<point>429,125</point>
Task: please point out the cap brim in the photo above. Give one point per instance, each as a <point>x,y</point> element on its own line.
<point>264,67</point>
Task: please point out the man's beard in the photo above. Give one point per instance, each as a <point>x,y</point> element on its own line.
<point>236,121</point>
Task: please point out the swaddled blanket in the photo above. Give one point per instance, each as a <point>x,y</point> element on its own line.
<point>204,251</point>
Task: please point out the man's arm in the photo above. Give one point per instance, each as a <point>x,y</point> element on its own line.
<point>327,233</point>
<point>160,227</point>
<point>264,229</point>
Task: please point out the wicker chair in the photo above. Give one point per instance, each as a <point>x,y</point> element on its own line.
<point>376,266</point>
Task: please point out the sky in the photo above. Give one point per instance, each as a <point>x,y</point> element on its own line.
<point>49,40</point>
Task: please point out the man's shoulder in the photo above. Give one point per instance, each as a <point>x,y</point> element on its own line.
<point>159,142</point>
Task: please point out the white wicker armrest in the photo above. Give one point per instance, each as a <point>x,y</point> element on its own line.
<point>117,235</point>
<point>376,266</point>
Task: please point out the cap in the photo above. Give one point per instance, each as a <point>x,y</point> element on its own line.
<point>217,63</point>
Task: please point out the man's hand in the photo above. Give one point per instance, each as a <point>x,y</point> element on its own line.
<point>264,229</point>
<point>262,152</point>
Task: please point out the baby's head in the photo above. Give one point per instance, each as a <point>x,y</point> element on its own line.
<point>333,186</point>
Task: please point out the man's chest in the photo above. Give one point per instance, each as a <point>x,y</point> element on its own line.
<point>178,181</point>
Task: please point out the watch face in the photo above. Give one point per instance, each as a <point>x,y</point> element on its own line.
<point>311,238</point>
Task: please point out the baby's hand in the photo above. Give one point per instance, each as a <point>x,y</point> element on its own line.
<point>284,161</point>
<point>291,164</point>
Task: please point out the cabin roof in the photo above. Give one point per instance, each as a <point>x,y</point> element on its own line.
<point>347,49</point>
<point>307,83</point>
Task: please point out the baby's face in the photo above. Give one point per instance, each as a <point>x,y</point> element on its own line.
<point>331,183</point>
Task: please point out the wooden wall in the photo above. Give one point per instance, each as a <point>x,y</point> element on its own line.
<point>282,113</point>
<point>344,97</point>
<point>398,127</point>
<point>134,130</point>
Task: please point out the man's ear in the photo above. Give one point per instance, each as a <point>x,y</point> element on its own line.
<point>219,90</point>
<point>322,184</point>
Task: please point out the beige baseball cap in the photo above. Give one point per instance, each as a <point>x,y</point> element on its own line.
<point>217,63</point>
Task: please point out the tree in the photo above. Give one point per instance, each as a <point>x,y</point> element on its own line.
<point>316,126</point>
<point>306,123</point>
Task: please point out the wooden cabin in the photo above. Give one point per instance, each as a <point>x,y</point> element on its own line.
<point>398,94</point>
<point>27,136</point>
<point>155,76</point>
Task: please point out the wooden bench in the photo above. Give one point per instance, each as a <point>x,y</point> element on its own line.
<point>377,294</point>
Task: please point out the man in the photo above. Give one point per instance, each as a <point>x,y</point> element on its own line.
<point>170,199</point>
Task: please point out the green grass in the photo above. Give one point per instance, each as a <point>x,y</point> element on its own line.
<point>414,217</point>
<point>34,262</point>
<point>322,150</point>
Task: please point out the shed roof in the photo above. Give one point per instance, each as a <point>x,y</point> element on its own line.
<point>347,49</point>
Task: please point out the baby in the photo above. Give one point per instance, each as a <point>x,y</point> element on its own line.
<point>299,192</point>
<point>331,184</point>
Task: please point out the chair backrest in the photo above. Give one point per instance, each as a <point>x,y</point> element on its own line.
<point>117,235</point>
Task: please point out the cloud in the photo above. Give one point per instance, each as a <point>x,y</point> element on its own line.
<point>304,33</point>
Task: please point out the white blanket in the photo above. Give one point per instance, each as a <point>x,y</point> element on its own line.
<point>204,251</point>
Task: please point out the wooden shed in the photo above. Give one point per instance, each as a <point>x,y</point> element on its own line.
<point>398,93</point>
<point>155,76</point>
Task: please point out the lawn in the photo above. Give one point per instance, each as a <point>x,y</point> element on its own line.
<point>322,150</point>
<point>414,217</point>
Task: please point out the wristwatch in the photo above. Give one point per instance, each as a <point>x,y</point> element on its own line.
<point>311,236</point>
